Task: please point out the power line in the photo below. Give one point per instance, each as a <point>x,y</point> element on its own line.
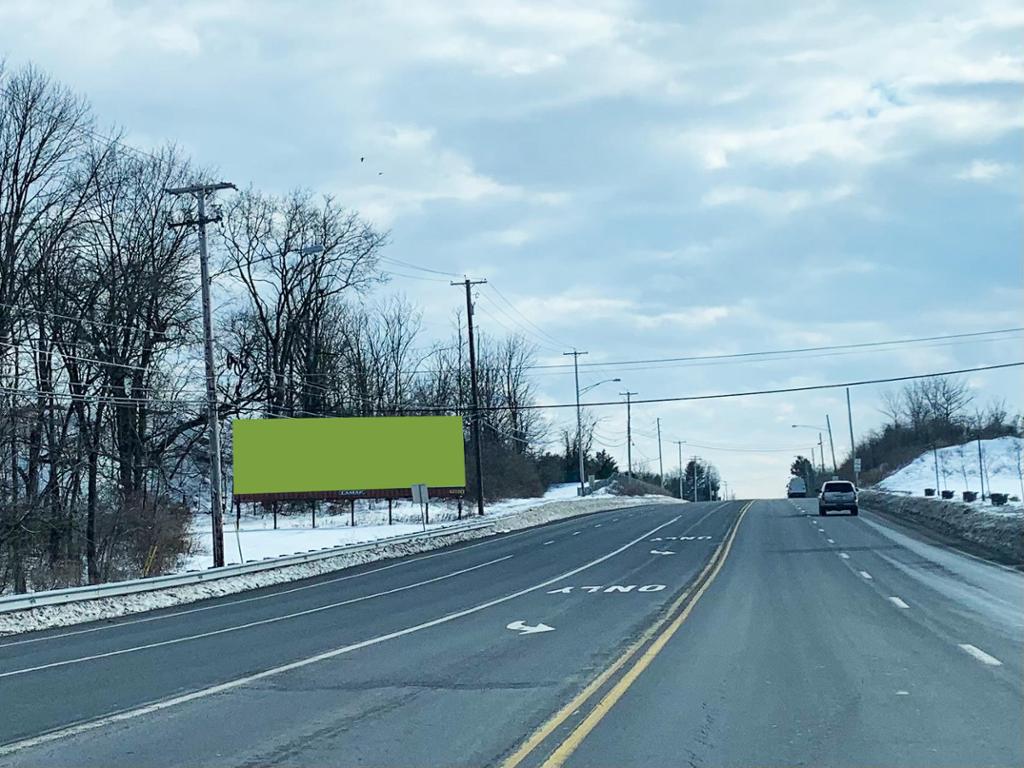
<point>90,132</point>
<point>559,344</point>
<point>409,265</point>
<point>518,328</point>
<point>798,350</point>
<point>782,390</point>
<point>56,350</point>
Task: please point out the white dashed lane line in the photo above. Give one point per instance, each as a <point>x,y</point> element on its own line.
<point>576,533</point>
<point>897,602</point>
<point>844,556</point>
<point>866,575</point>
<point>548,542</point>
<point>831,541</point>
<point>980,655</point>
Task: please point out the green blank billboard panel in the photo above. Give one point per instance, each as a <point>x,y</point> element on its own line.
<point>359,455</point>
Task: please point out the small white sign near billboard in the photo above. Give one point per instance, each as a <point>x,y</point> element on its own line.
<point>420,494</point>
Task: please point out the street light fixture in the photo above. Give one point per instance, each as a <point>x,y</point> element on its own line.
<point>598,384</point>
<point>579,423</point>
<point>831,445</point>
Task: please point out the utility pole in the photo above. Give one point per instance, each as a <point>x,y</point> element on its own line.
<point>821,454</point>
<point>831,445</point>
<point>476,400</point>
<point>935,458</point>
<point>661,466</point>
<point>853,445</point>
<point>679,445</point>
<point>579,419</point>
<point>629,432</point>
<point>200,191</point>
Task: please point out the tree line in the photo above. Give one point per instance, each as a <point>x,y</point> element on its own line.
<point>923,414</point>
<point>102,403</point>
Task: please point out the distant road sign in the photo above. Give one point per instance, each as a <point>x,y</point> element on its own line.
<point>856,465</point>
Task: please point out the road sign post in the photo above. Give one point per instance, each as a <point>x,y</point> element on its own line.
<point>421,496</point>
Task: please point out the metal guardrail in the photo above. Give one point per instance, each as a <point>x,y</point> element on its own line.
<point>153,583</point>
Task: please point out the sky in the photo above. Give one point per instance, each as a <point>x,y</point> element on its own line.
<point>638,179</point>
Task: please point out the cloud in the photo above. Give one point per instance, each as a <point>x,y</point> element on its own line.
<point>983,170</point>
<point>694,317</point>
<point>418,171</point>
<point>774,202</point>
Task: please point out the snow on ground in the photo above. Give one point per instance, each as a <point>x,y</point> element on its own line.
<point>257,539</point>
<point>514,515</point>
<point>1003,460</point>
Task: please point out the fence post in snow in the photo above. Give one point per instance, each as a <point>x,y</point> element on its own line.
<point>981,471</point>
<point>315,505</point>
<point>390,501</point>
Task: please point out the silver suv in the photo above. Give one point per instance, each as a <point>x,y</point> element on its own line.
<point>837,494</point>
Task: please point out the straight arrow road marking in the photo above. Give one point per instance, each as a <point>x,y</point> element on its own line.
<point>249,625</point>
<point>202,693</point>
<point>523,628</point>
<point>659,633</point>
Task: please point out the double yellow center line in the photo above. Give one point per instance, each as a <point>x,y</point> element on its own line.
<point>651,643</point>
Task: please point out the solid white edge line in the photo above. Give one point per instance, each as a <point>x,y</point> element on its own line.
<point>897,602</point>
<point>224,601</point>
<point>202,693</point>
<point>980,655</point>
<point>249,625</point>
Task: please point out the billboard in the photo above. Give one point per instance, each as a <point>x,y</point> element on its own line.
<point>372,457</point>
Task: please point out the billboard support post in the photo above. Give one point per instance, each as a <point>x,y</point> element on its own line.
<point>352,512</point>
<point>389,511</point>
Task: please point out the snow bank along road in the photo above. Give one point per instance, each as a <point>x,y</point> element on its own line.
<point>707,634</point>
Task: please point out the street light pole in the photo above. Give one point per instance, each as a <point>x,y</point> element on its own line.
<point>831,445</point>
<point>661,465</point>
<point>579,419</point>
<point>629,432</point>
<point>679,445</point>
<point>853,444</point>
<point>200,191</point>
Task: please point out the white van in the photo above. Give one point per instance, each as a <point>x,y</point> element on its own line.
<point>797,488</point>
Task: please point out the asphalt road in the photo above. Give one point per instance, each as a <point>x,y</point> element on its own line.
<point>698,634</point>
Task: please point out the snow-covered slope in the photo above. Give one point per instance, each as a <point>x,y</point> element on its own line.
<point>1002,458</point>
